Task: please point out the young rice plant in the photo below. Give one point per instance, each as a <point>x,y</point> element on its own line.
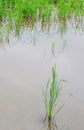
<point>51,94</point>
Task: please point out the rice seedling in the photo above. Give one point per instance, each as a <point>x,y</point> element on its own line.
<point>51,94</point>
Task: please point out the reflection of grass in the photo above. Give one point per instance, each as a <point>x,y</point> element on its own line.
<point>53,48</point>
<point>51,94</point>
<point>15,13</point>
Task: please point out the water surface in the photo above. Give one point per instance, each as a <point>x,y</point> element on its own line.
<point>25,67</point>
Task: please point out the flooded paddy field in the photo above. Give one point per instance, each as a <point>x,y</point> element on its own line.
<point>25,66</point>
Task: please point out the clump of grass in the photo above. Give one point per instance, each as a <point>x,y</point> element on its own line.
<point>15,14</point>
<point>51,94</point>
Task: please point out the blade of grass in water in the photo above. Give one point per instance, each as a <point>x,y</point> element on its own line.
<point>51,94</point>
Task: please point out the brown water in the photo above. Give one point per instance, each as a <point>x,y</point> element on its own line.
<point>25,67</point>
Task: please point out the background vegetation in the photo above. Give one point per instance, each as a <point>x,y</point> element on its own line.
<point>15,14</point>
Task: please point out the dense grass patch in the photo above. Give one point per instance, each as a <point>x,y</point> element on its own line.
<point>15,14</point>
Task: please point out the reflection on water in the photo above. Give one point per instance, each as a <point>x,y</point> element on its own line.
<point>50,125</point>
<point>24,72</point>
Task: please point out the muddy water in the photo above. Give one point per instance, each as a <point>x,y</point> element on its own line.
<point>25,67</point>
